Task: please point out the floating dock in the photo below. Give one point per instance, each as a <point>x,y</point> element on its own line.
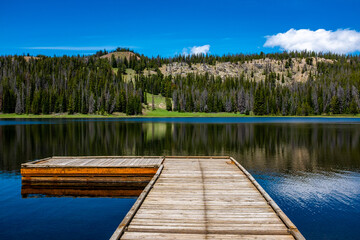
<point>184,197</point>
<point>95,176</point>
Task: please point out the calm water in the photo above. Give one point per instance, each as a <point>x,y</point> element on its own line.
<point>310,167</point>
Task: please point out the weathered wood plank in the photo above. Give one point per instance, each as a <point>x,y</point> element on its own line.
<point>214,221</point>
<point>209,230</point>
<point>81,171</point>
<point>181,236</point>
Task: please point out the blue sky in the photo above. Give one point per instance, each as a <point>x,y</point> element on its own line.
<point>170,27</point>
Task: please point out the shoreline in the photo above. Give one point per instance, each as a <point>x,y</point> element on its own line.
<point>163,114</point>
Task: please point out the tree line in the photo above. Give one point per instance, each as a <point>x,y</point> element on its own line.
<point>65,84</point>
<point>89,85</point>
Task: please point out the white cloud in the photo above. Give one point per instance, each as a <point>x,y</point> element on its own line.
<point>340,41</point>
<point>200,50</point>
<point>195,50</point>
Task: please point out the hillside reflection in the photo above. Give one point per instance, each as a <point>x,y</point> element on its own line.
<point>271,146</point>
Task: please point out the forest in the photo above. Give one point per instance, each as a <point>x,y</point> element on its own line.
<point>91,85</point>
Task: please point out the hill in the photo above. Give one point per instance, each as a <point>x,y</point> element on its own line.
<point>120,55</point>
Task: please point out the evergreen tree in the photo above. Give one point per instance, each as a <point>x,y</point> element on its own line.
<point>335,105</point>
<point>354,107</point>
<point>259,102</point>
<point>168,104</point>
<point>71,105</point>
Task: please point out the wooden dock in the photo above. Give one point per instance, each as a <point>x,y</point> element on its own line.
<point>88,176</point>
<point>84,170</point>
<point>186,198</point>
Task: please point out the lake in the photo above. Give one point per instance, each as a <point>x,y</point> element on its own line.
<point>309,166</point>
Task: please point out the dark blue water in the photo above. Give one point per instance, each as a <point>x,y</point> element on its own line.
<point>322,205</point>
<point>309,166</point>
<point>56,217</point>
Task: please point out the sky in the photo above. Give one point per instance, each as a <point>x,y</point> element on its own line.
<point>167,27</point>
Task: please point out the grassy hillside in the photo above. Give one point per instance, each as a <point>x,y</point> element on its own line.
<point>130,73</point>
<point>159,101</point>
<point>120,55</point>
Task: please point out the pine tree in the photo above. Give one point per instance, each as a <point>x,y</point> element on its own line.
<point>35,106</point>
<point>335,105</point>
<point>71,105</point>
<point>354,107</point>
<point>259,103</point>
<point>168,104</point>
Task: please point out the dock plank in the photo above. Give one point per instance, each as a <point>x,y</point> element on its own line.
<point>179,236</point>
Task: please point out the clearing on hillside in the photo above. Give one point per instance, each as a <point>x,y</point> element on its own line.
<point>121,55</point>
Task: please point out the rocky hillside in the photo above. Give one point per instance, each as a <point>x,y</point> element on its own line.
<point>295,70</point>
